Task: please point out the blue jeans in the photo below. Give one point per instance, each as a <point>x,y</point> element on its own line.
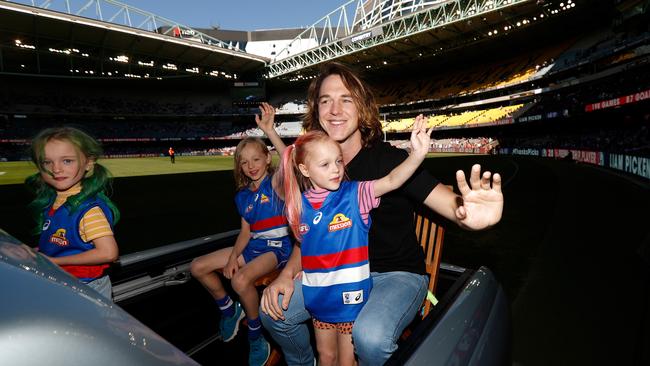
<point>103,286</point>
<point>394,301</point>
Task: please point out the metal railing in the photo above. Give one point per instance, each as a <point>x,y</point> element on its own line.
<point>115,12</point>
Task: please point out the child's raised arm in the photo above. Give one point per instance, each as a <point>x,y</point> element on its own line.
<point>420,141</point>
<point>265,123</point>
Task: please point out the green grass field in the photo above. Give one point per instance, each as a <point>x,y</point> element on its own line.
<point>15,172</point>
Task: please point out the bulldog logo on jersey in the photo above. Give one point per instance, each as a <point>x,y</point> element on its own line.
<point>339,222</point>
<point>264,199</point>
<point>303,228</point>
<point>59,238</point>
<point>249,208</point>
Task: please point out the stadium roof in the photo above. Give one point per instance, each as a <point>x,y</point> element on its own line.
<point>45,29</point>
<point>398,32</point>
<point>381,35</point>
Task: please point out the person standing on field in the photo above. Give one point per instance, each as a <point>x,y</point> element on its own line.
<point>172,155</point>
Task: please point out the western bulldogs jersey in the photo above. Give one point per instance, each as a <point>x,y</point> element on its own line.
<point>60,237</point>
<point>336,279</point>
<point>263,210</point>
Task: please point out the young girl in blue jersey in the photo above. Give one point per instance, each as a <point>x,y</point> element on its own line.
<point>263,243</point>
<point>74,216</point>
<point>330,218</point>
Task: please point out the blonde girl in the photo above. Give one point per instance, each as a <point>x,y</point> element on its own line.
<point>262,245</point>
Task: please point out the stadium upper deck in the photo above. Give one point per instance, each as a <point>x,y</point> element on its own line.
<point>38,40</point>
<point>394,33</point>
<point>377,35</point>
<point>488,81</point>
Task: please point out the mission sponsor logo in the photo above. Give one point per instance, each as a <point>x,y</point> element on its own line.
<point>339,222</point>
<point>264,199</point>
<point>59,238</point>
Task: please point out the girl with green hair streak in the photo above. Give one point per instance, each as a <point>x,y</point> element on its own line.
<point>74,216</point>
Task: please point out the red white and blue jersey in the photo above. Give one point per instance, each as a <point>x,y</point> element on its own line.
<point>263,210</point>
<point>60,237</point>
<point>336,274</point>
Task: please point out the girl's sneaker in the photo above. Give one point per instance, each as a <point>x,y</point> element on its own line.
<point>230,326</point>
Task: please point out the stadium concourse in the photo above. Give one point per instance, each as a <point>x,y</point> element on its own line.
<point>555,95</point>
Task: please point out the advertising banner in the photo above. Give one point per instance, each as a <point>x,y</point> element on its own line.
<point>616,102</point>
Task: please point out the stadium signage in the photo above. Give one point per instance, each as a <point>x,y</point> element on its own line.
<point>528,152</point>
<point>245,83</point>
<point>534,117</point>
<point>591,157</point>
<point>363,36</point>
<point>639,166</point>
<point>631,98</point>
<point>630,164</point>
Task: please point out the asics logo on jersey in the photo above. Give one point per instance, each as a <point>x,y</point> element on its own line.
<point>317,218</point>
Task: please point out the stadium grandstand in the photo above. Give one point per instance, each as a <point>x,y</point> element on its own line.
<point>476,68</point>
<point>544,78</point>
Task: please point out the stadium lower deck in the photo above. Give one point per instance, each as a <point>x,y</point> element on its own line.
<point>572,252</point>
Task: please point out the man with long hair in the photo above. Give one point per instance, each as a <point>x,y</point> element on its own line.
<point>340,104</point>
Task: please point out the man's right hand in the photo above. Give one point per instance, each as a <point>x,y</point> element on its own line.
<point>271,294</point>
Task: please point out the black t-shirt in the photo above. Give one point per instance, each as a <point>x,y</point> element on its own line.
<point>392,242</point>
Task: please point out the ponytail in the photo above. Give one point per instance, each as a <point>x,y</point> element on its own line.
<point>294,183</point>
<point>291,189</point>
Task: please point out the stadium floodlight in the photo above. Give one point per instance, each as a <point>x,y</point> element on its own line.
<point>121,58</point>
<point>21,44</point>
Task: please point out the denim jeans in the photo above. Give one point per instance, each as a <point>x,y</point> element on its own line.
<point>292,333</point>
<point>103,286</point>
<point>394,301</point>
